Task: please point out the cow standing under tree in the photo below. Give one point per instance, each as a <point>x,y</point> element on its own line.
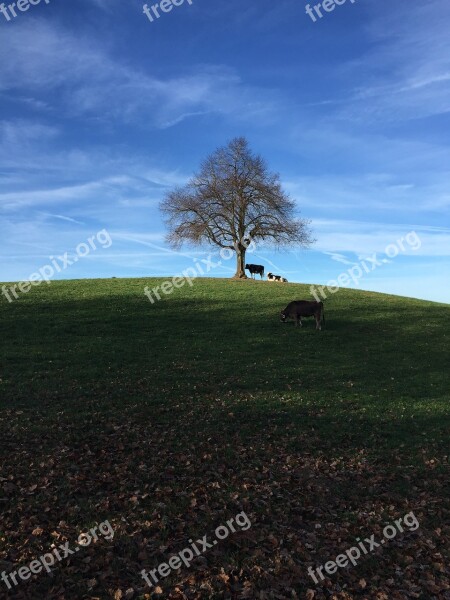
<point>255,270</point>
<point>231,200</point>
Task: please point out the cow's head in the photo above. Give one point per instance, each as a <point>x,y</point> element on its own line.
<point>283,316</point>
<point>247,267</point>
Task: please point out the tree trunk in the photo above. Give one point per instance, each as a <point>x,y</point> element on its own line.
<point>240,264</point>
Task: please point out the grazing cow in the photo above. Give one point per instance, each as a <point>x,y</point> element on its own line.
<point>304,308</point>
<point>272,277</point>
<point>255,270</point>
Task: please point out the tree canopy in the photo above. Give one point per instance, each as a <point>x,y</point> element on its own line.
<point>231,200</point>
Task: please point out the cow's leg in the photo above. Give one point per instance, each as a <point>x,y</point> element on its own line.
<point>300,321</point>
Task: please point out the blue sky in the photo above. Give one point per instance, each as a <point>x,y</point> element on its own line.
<point>102,112</point>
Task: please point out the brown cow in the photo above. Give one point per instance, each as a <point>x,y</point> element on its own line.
<point>304,308</point>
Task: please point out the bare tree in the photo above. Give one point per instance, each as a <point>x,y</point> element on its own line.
<point>232,200</point>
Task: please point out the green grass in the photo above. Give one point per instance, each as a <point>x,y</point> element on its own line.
<point>381,361</point>
<point>106,386</point>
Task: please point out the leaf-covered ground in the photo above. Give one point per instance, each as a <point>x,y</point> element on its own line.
<point>167,420</point>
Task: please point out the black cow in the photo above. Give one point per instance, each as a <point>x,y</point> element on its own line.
<point>255,270</point>
<point>304,308</point>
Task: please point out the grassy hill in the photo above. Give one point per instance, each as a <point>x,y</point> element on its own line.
<point>168,419</point>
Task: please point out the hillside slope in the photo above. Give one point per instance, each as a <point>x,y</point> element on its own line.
<point>169,418</point>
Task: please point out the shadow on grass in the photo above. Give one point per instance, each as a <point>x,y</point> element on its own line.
<point>210,343</point>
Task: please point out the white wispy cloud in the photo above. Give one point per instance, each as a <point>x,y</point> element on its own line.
<point>362,238</point>
<point>406,74</point>
<point>86,79</point>
<point>63,218</point>
<point>339,258</point>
